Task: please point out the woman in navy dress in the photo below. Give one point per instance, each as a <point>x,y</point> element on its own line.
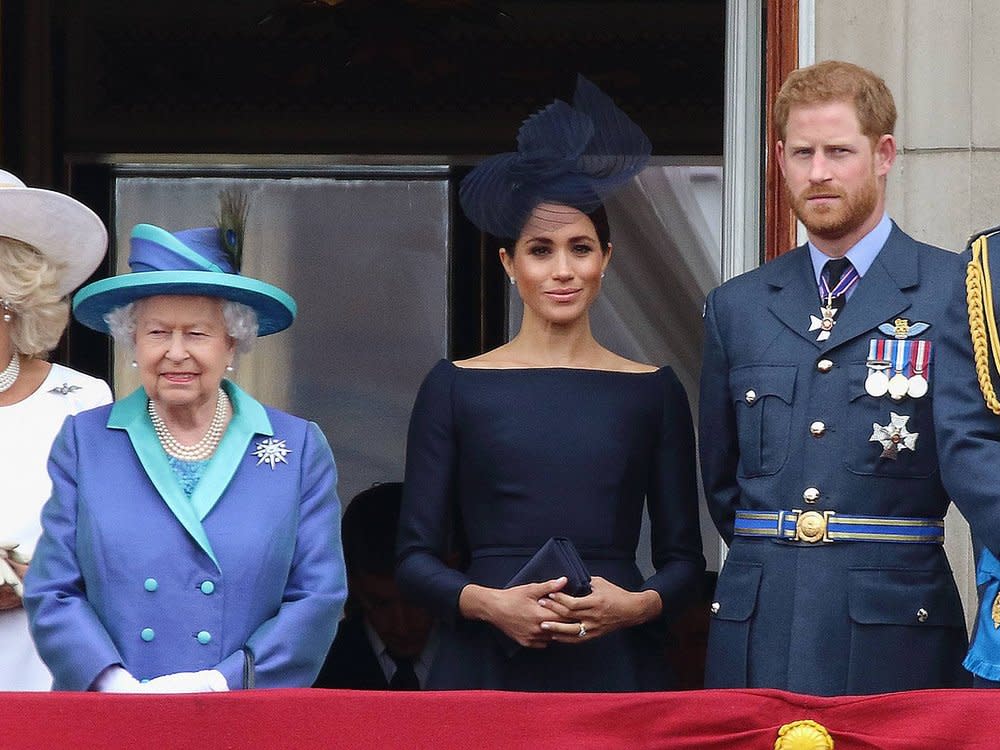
<point>551,435</point>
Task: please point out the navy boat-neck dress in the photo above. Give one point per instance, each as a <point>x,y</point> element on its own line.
<point>516,456</point>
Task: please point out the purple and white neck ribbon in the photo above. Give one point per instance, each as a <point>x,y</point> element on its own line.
<point>846,283</point>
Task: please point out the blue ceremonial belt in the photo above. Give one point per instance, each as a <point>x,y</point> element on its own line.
<point>812,526</point>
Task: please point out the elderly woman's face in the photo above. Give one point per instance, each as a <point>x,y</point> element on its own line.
<point>181,349</point>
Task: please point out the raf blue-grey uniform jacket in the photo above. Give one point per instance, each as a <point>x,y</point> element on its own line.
<point>969,441</point>
<point>841,617</point>
<point>129,571</point>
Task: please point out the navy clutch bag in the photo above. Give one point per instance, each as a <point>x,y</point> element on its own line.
<point>557,557</point>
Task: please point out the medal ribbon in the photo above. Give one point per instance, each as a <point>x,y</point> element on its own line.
<point>847,282</point>
<point>901,356</point>
<point>877,350</point>
<point>920,358</point>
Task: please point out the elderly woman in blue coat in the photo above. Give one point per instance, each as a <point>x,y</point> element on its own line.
<point>192,539</point>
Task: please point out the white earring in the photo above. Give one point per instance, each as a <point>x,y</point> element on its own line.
<point>602,274</point>
<point>134,364</point>
<point>7,317</point>
<point>230,368</point>
<point>512,281</point>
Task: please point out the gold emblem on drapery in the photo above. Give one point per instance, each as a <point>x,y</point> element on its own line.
<point>803,735</point>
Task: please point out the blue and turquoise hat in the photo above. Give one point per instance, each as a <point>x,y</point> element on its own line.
<point>192,261</point>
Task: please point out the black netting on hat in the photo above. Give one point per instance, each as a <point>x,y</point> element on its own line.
<point>574,155</point>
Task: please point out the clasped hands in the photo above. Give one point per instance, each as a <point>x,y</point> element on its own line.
<point>536,614</point>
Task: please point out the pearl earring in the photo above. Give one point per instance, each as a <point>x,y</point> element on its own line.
<point>7,317</point>
<point>602,274</point>
<point>512,281</point>
<point>230,368</point>
<point>134,364</point>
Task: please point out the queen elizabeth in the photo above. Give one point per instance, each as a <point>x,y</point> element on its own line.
<point>192,539</point>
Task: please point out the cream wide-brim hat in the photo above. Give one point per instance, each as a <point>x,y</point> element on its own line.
<point>61,228</point>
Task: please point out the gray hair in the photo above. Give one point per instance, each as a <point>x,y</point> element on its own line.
<point>241,324</point>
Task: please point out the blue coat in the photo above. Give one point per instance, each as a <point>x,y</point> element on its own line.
<point>129,571</point>
<point>826,618</point>
<point>969,444</point>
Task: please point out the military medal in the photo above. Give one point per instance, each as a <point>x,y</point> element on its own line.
<point>894,437</point>
<point>898,353</point>
<point>995,612</point>
<point>825,323</point>
<point>919,362</point>
<point>877,382</point>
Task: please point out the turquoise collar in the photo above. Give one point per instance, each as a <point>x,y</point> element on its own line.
<point>249,419</point>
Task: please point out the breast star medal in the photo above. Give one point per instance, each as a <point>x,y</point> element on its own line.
<point>270,451</point>
<point>894,437</point>
<point>995,612</point>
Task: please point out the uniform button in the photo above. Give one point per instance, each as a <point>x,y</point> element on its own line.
<point>824,365</point>
<point>207,587</point>
<point>817,429</point>
<point>811,495</point>
<point>922,615</point>
<point>150,584</point>
<point>204,637</point>
<point>750,396</point>
<point>715,608</point>
<point>147,634</point>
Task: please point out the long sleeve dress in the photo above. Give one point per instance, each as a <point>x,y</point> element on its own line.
<point>27,430</point>
<point>512,457</point>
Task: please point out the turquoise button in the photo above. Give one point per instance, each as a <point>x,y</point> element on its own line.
<point>147,634</point>
<point>144,680</point>
<point>150,584</point>
<point>204,637</point>
<point>207,587</point>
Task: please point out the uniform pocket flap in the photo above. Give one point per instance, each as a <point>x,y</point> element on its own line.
<point>904,597</point>
<point>751,383</point>
<point>736,591</point>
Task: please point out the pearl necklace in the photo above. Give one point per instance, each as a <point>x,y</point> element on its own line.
<point>205,447</point>
<point>10,373</point>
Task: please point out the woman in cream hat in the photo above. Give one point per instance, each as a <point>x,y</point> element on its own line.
<point>192,540</point>
<point>49,245</point>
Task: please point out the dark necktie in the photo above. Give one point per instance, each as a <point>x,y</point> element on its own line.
<point>833,272</point>
<point>404,677</point>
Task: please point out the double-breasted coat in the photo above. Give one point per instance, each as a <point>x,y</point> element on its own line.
<point>786,423</point>
<point>246,576</point>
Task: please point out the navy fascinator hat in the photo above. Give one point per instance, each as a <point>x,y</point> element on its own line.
<point>575,155</point>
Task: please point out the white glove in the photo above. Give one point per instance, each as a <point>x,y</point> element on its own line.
<point>117,679</point>
<point>205,681</point>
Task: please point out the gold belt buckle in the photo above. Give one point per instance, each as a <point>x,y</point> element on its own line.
<point>811,526</point>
